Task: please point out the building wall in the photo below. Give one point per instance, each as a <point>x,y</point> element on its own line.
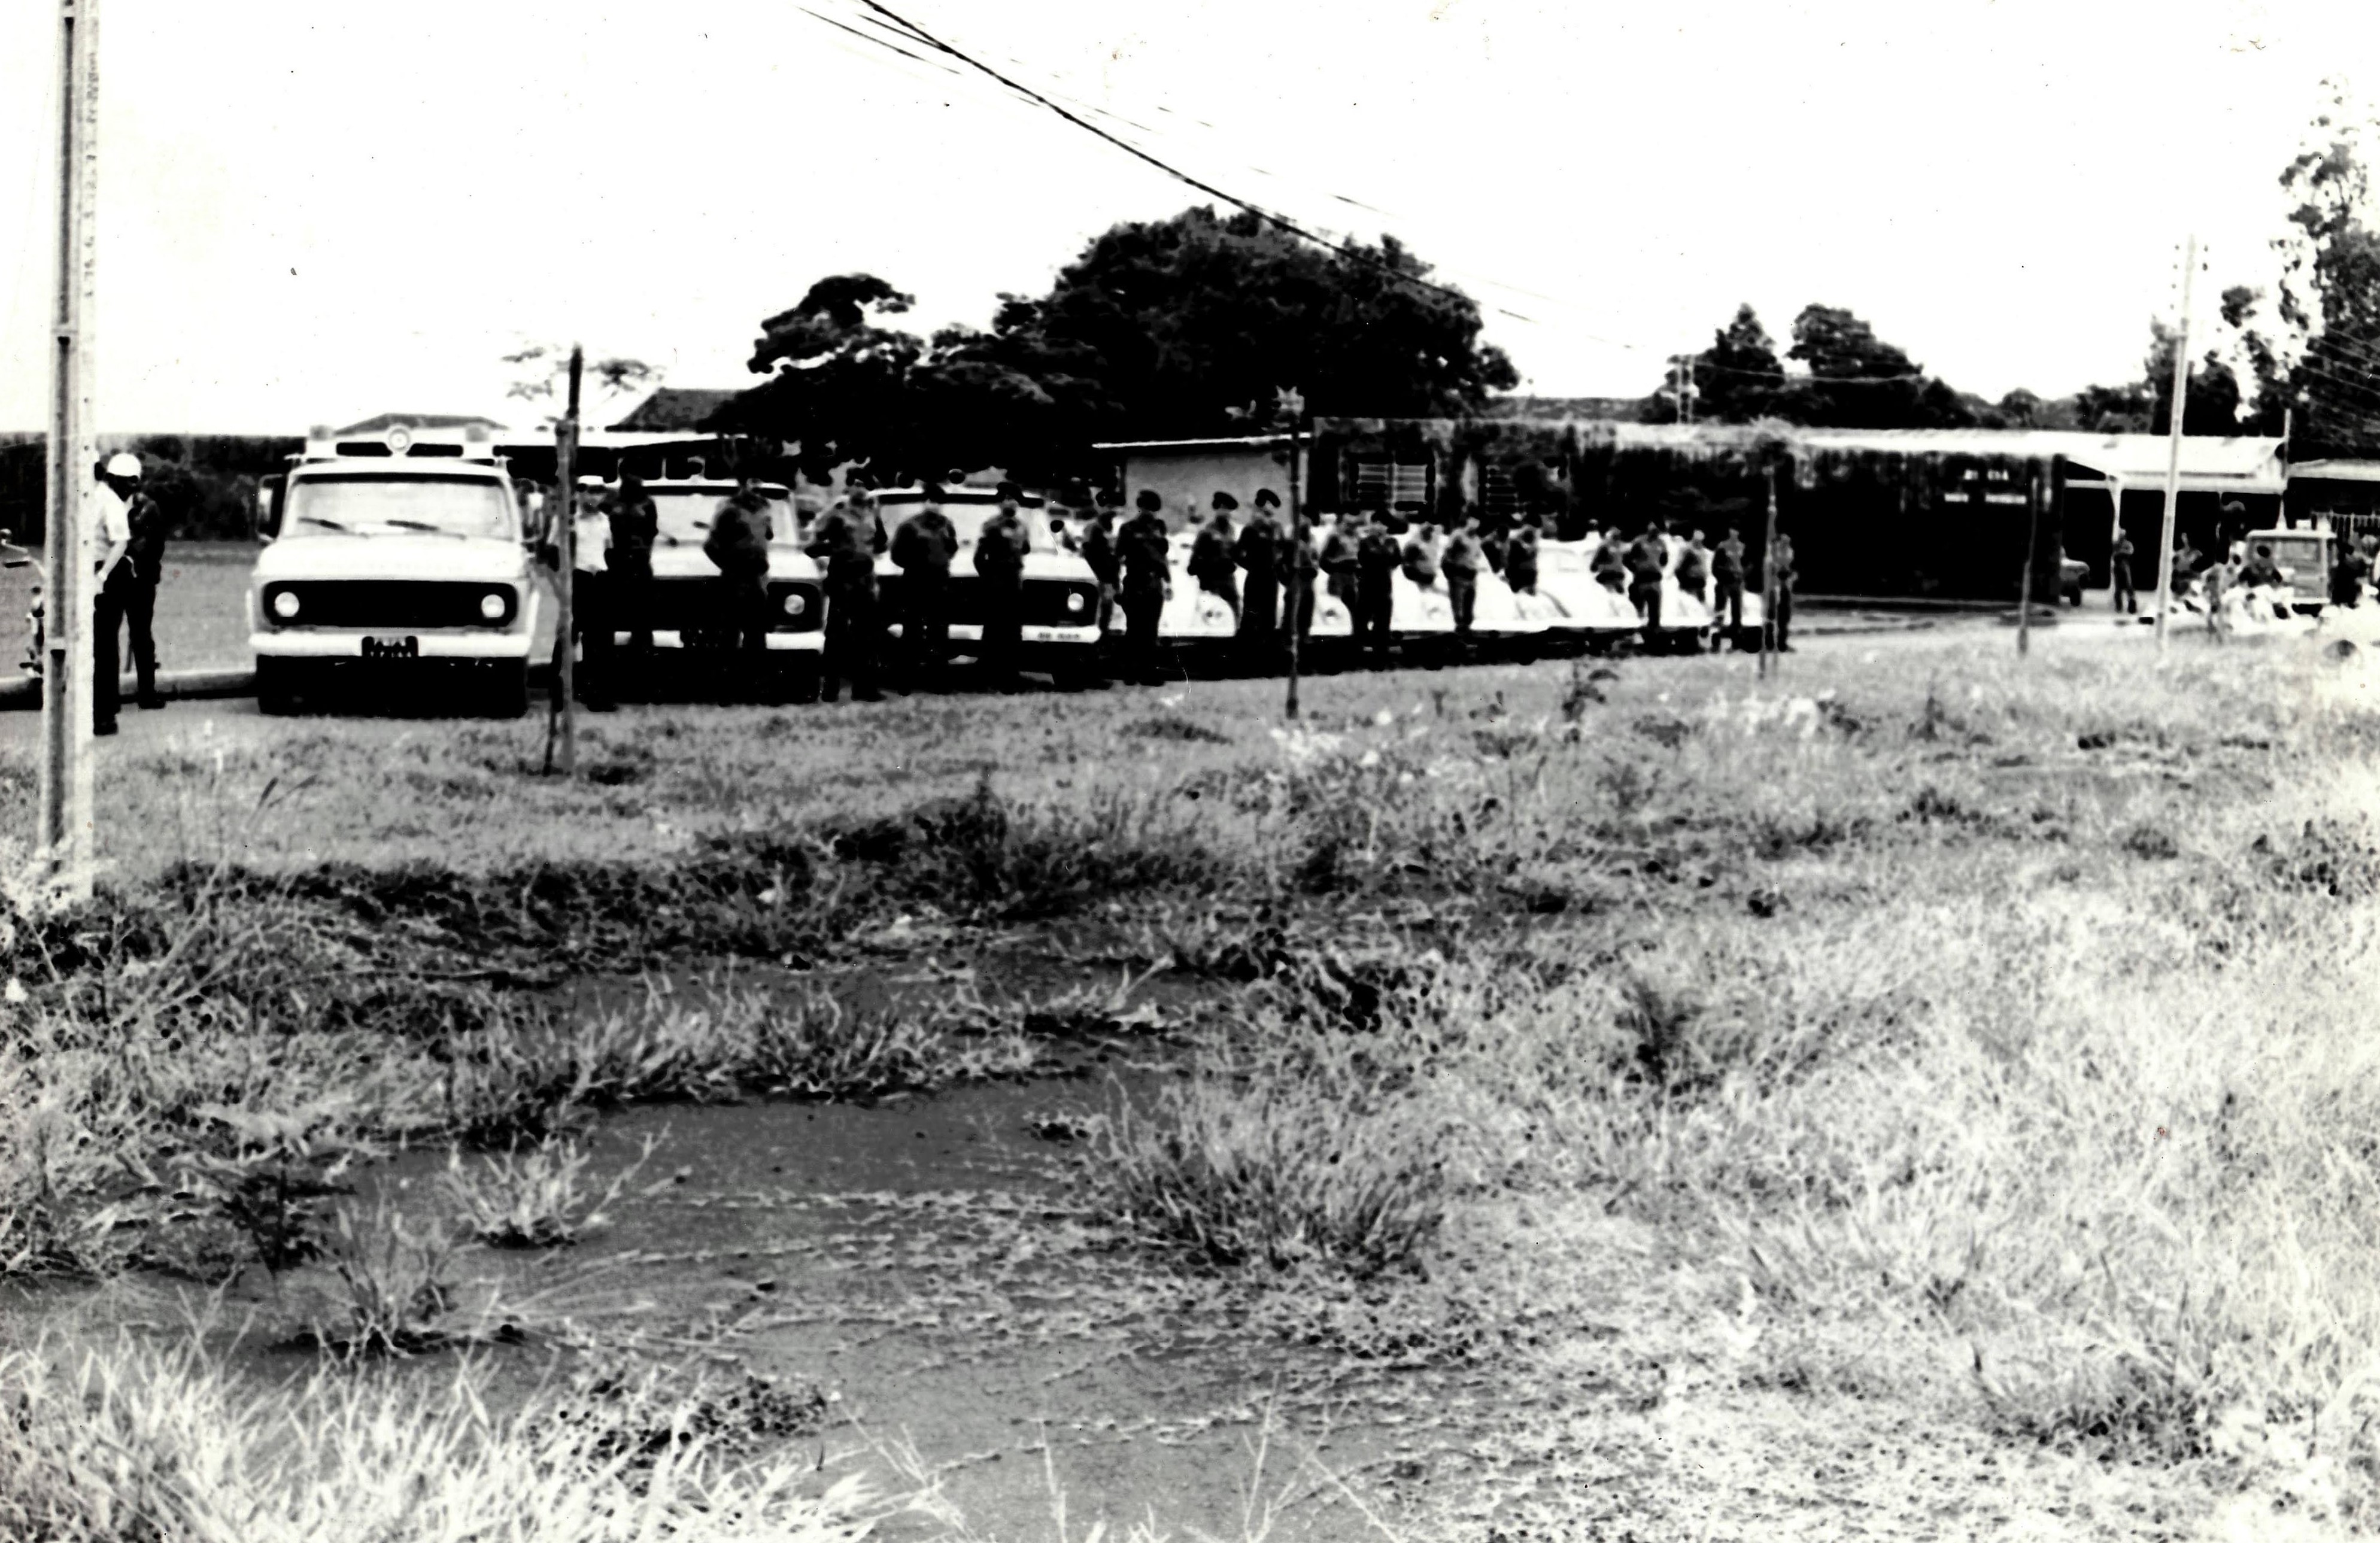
<point>1188,480</point>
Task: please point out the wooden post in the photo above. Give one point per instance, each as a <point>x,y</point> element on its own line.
<point>1301,589</point>
<point>1768,582</point>
<point>2173,442</point>
<point>64,819</point>
<point>2032,541</point>
<point>565,461</point>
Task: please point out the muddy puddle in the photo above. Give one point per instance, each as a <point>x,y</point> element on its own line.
<point>927,1261</point>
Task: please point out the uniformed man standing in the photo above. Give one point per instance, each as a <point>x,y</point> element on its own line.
<point>1338,561</point>
<point>1782,575</point>
<point>1693,569</point>
<point>1098,552</point>
<point>1647,559</point>
<point>1144,550</point>
<point>2347,575</point>
<point>1000,563</point>
<point>845,543</point>
<point>145,556</point>
<point>1461,562</point>
<point>1211,563</point>
<point>113,595</point>
<point>1727,575</point>
<point>625,603</point>
<point>2120,595</point>
<point>1521,557</point>
<point>923,551</point>
<point>1299,565</point>
<point>738,547</point>
<point>1610,565</point>
<point>1377,557</point>
<point>1256,552</point>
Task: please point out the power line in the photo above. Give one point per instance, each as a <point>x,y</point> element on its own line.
<point>2346,382</point>
<point>2354,352</point>
<point>921,36</point>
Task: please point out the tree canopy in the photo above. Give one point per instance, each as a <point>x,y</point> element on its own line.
<point>1850,378</point>
<point>1169,328</point>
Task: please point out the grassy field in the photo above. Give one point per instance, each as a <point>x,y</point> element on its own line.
<point>1924,1094</point>
<point>201,606</point>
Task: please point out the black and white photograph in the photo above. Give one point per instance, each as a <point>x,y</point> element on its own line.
<point>1189,772</point>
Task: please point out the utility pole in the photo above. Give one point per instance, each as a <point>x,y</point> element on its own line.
<point>566,476</point>
<point>1768,582</point>
<point>2173,441</point>
<point>1301,589</point>
<point>64,838</point>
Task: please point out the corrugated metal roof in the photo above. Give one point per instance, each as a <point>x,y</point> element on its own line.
<point>1250,441</point>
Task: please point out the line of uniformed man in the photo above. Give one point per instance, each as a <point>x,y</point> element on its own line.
<point>1261,569</point>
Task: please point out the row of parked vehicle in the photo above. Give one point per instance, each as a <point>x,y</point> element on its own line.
<point>405,554</point>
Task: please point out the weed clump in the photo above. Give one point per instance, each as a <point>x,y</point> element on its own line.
<point>1274,1174</point>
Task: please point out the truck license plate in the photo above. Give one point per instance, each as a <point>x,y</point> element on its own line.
<point>392,648</point>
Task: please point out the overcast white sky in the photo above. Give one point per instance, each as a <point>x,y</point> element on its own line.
<point>313,212</point>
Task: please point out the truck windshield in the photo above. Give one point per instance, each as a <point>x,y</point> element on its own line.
<point>384,503</point>
<point>968,520</point>
<point>684,516</point>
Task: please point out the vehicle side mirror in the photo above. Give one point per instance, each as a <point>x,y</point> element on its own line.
<point>270,494</point>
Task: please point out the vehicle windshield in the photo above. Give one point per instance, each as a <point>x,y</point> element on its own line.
<point>684,513</point>
<point>393,502</point>
<point>968,520</point>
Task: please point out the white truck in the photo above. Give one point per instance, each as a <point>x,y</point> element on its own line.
<point>401,557</point>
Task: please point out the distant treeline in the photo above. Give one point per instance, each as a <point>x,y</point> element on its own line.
<point>207,482</point>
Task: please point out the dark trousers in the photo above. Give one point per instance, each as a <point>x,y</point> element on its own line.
<point>1260,616</point>
<point>619,600</point>
<point>1784,614</point>
<point>1375,610</point>
<point>109,607</point>
<point>1004,603</point>
<point>139,625</point>
<point>1463,590</point>
<point>925,620</point>
<point>2123,597</point>
<point>1647,599</point>
<point>1228,588</point>
<point>851,632</point>
<point>743,612</point>
<point>1728,599</point>
<point>628,597</point>
<point>1144,606</point>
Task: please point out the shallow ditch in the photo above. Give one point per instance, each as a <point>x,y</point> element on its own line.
<point>921,1258</point>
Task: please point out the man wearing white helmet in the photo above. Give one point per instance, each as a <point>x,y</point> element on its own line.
<point>118,595</point>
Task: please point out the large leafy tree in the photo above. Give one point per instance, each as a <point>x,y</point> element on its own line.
<point>1193,324</point>
<point>1739,378</point>
<point>1180,327</point>
<point>1849,379</point>
<point>2329,295</point>
<point>850,388</point>
<point>1859,380</point>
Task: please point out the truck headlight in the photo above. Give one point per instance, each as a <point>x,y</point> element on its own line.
<point>285,604</point>
<point>1074,602</point>
<point>494,604</point>
<point>795,603</point>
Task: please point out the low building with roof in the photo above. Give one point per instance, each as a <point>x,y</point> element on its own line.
<point>1904,514</point>
<point>675,409</point>
<point>1187,473</point>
